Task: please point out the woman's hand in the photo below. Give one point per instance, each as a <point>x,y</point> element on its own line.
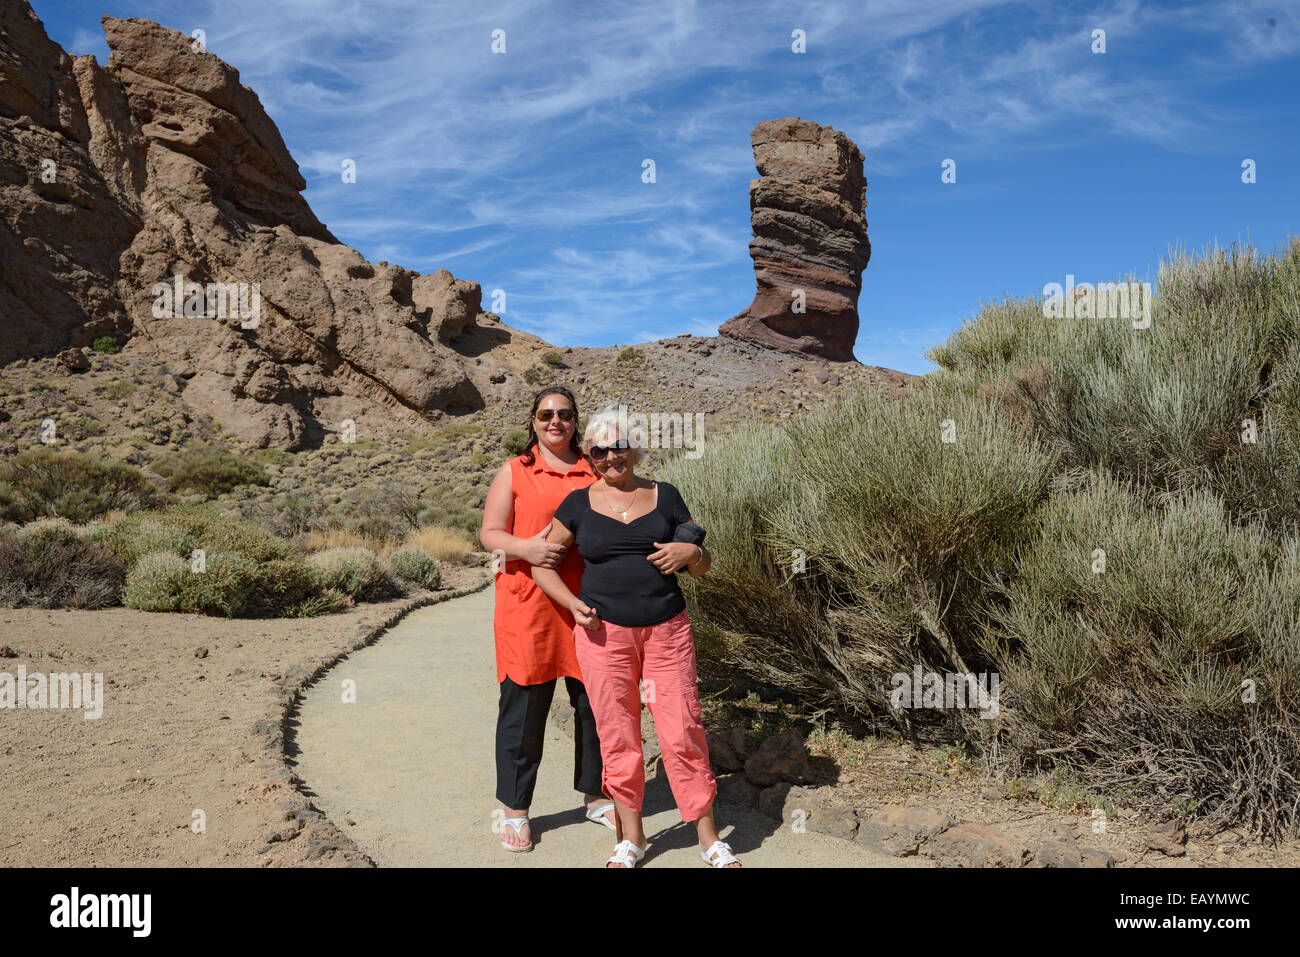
<point>584,615</point>
<point>674,555</point>
<point>538,551</point>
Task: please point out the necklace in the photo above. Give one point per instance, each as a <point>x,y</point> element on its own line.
<point>615,508</point>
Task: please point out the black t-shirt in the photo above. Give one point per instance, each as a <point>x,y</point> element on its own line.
<point>618,580</point>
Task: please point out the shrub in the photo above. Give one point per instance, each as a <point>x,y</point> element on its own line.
<point>283,586</point>
<point>211,470</point>
<point>163,581</point>
<point>381,515</point>
<point>515,441</point>
<point>1115,531</point>
<point>50,566</point>
<point>413,565</point>
<point>553,358</point>
<point>354,572</point>
<point>630,356</point>
<point>156,583</point>
<point>104,344</point>
<point>536,375</point>
<point>71,485</point>
<point>132,539</point>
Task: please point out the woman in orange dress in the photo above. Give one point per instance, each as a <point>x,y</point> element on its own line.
<point>534,636</point>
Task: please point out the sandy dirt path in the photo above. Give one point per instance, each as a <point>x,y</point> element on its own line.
<point>406,771</point>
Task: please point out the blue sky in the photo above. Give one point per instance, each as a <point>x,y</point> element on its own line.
<point>522,171</point>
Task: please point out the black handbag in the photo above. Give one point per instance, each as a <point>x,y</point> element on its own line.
<point>692,534</point>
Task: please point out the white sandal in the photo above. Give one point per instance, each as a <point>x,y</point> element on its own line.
<point>723,854</point>
<point>626,854</point>
<point>518,824</point>
<point>597,814</point>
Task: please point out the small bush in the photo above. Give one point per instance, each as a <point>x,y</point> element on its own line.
<point>442,544</point>
<point>412,565</point>
<point>156,582</point>
<point>553,358</point>
<point>282,586</point>
<point>630,356</point>
<point>50,566</point>
<point>536,375</point>
<point>132,539</point>
<point>211,470</point>
<point>71,485</point>
<point>353,571</point>
<point>514,441</point>
<point>104,344</point>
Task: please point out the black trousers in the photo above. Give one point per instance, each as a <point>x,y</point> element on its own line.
<point>521,732</point>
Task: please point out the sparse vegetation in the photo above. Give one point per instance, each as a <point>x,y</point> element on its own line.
<point>70,485</point>
<point>1107,517</point>
<point>211,470</point>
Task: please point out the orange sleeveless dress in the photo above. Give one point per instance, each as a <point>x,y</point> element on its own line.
<point>534,637</point>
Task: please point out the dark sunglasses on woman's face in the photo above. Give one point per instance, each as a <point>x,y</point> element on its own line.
<point>600,451</point>
<point>545,415</point>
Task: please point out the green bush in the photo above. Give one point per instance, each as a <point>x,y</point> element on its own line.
<point>354,572</point>
<point>553,358</point>
<point>211,470</point>
<point>630,356</point>
<point>1114,529</point>
<point>412,565</point>
<point>105,344</point>
<point>164,581</point>
<point>536,375</point>
<point>136,536</point>
<point>156,583</point>
<point>514,441</point>
<point>79,487</point>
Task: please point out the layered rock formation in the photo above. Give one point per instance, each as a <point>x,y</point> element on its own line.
<point>115,181</point>
<point>810,240</point>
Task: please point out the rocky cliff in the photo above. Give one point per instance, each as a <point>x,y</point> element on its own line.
<point>154,201</point>
<point>810,240</point>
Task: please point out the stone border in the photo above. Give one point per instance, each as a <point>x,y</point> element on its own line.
<point>325,843</point>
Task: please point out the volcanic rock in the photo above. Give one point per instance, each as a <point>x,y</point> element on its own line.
<point>155,201</point>
<point>810,240</point>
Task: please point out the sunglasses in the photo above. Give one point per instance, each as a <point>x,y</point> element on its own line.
<point>545,415</point>
<point>600,451</point>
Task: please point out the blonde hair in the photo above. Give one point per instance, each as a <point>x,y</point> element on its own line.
<point>606,422</point>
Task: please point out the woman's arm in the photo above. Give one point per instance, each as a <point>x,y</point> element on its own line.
<point>549,581</point>
<point>498,509</point>
<point>671,556</point>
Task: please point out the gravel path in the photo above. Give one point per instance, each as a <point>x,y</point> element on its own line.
<point>407,769</point>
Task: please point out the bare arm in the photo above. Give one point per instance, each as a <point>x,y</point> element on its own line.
<point>498,510</point>
<point>549,581</point>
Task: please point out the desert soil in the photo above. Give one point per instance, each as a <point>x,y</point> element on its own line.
<point>179,733</point>
<point>194,709</point>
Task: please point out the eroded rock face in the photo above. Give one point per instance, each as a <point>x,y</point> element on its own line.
<point>162,165</point>
<point>810,237</point>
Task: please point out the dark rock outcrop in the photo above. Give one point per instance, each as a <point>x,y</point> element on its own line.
<point>810,240</point>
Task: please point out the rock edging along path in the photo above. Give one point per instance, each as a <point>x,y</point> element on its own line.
<point>406,769</point>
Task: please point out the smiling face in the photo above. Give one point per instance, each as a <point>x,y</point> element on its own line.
<point>554,433</point>
<point>615,465</point>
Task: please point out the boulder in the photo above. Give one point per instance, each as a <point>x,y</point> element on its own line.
<point>782,757</point>
<point>901,831</point>
<point>975,845</point>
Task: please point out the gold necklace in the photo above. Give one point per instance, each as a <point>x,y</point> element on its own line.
<point>614,508</point>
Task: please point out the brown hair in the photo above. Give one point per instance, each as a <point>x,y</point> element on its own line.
<point>528,456</point>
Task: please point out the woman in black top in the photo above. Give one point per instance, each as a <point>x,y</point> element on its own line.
<point>633,636</point>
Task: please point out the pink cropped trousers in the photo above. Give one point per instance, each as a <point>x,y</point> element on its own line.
<point>621,666</point>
